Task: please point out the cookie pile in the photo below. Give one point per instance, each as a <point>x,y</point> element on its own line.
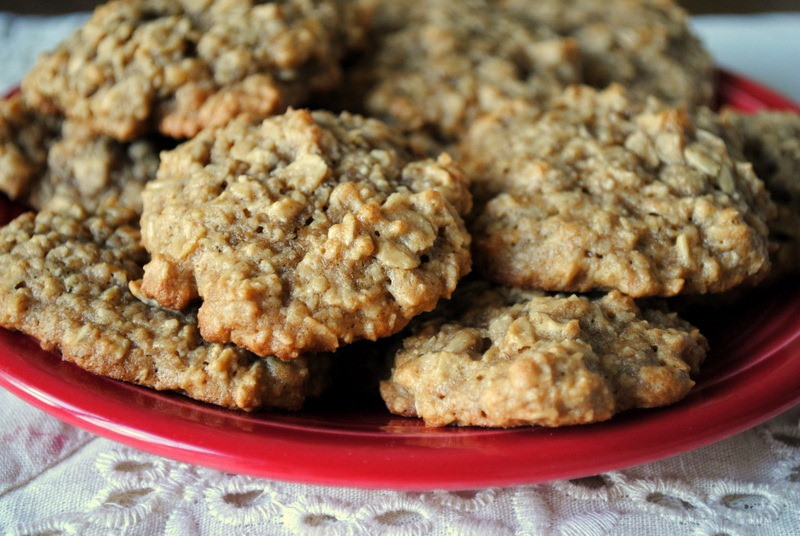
<point>231,194</point>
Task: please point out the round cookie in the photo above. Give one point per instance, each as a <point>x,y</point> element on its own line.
<point>597,193</point>
<point>436,66</point>
<point>69,280</point>
<point>644,45</point>
<point>177,66</point>
<point>49,163</point>
<point>91,170</point>
<point>771,141</point>
<point>304,231</point>
<point>25,138</point>
<point>507,357</point>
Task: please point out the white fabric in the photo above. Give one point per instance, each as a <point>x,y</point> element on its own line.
<point>57,479</point>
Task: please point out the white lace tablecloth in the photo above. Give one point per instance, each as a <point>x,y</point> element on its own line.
<point>56,479</point>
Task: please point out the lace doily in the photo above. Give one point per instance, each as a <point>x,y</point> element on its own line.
<point>58,480</point>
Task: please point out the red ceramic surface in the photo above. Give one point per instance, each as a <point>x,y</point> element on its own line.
<point>750,375</point>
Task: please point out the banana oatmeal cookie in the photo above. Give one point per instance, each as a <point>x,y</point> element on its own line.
<point>303,232</point>
<point>68,280</point>
<point>94,170</point>
<point>771,141</point>
<point>25,138</point>
<point>443,63</point>
<point>46,162</point>
<point>508,357</point>
<point>175,66</point>
<point>597,193</point>
<point>644,45</point>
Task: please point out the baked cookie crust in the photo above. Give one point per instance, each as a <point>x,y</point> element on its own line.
<point>176,66</point>
<point>69,281</point>
<point>598,193</point>
<point>508,357</point>
<point>304,232</point>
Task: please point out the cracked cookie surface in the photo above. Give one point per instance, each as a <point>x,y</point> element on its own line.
<point>597,193</point>
<point>138,66</point>
<point>304,231</point>
<point>69,281</point>
<point>508,357</point>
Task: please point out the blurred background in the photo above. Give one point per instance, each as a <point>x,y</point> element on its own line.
<point>757,38</point>
<point>694,6</point>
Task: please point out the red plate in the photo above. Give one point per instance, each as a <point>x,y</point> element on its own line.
<point>751,375</point>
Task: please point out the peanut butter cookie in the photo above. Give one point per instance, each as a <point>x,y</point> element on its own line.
<point>68,280</point>
<point>508,357</point>
<point>303,232</point>
<point>597,193</point>
<point>138,66</point>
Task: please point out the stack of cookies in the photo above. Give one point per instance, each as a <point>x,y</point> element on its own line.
<point>230,193</point>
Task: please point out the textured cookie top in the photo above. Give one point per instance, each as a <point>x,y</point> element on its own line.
<point>503,357</point>
<point>596,193</point>
<point>771,141</point>
<point>68,281</point>
<point>645,45</point>
<point>93,170</point>
<point>448,61</point>
<point>303,232</point>
<point>46,162</point>
<point>180,65</point>
<point>24,141</point>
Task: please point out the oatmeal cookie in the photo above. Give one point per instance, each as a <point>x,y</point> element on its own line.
<point>508,357</point>
<point>94,170</point>
<point>595,193</point>
<point>25,138</point>
<point>438,65</point>
<point>771,141</point>
<point>644,45</point>
<point>179,65</point>
<point>46,162</point>
<point>68,280</point>
<point>303,232</point>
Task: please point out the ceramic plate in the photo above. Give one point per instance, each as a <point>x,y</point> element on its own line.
<point>750,375</point>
